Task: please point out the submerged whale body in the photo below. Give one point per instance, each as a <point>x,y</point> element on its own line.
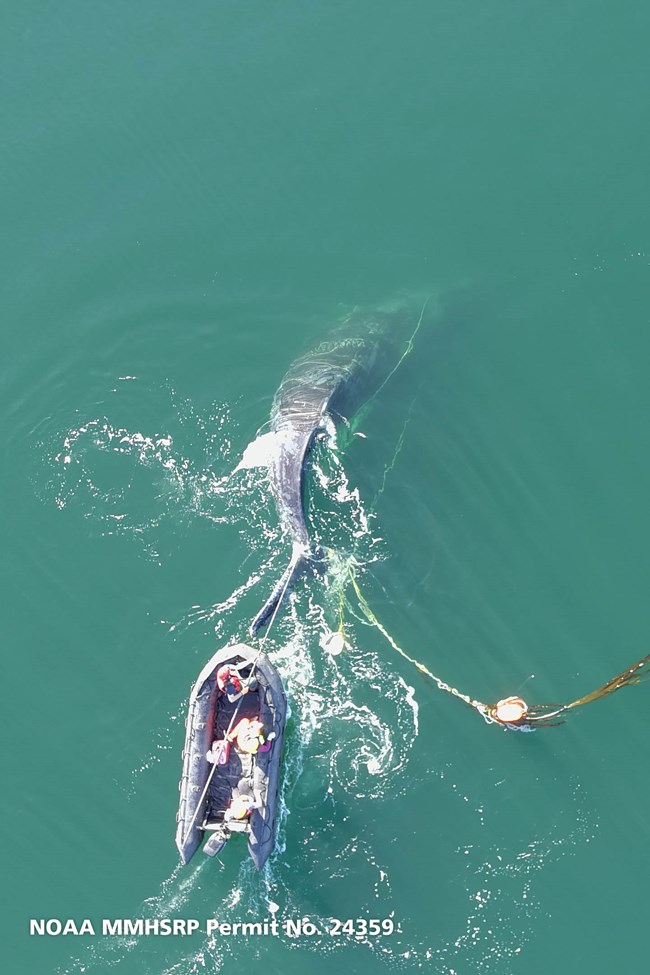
<point>330,383</point>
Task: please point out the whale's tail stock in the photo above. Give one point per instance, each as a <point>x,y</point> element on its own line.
<point>302,560</point>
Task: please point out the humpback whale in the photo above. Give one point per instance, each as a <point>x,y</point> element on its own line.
<point>330,383</point>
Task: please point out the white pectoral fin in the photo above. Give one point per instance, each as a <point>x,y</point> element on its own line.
<point>260,452</point>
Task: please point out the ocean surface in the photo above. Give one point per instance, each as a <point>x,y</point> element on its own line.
<point>193,195</point>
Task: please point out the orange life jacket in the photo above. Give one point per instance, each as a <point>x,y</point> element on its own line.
<point>240,807</point>
<point>249,734</point>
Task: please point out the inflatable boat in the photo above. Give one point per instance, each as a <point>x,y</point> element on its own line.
<point>231,759</point>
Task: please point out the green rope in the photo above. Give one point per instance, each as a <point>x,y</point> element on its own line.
<point>443,685</point>
<point>407,351</point>
<point>540,714</point>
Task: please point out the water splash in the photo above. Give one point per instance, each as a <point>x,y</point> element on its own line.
<point>131,481</point>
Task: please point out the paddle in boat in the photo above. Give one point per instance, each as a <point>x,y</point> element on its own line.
<point>231,760</point>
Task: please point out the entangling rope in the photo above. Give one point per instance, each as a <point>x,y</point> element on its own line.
<point>511,712</point>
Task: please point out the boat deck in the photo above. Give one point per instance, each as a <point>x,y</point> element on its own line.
<point>240,765</point>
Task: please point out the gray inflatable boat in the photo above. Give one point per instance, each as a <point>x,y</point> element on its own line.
<point>231,759</point>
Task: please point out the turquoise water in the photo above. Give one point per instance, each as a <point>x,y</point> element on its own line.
<point>192,196</point>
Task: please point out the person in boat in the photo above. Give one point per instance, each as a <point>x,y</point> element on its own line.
<point>240,808</point>
<point>250,736</point>
<point>242,803</point>
<point>229,682</point>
